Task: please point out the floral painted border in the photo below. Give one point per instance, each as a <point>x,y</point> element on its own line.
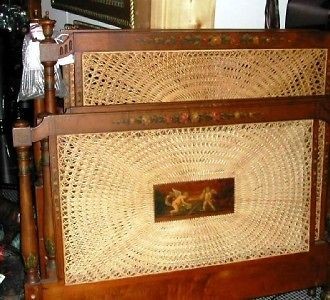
<point>221,39</point>
<point>186,117</point>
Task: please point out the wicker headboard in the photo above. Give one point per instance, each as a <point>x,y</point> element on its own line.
<point>107,164</point>
<point>208,65</point>
<point>187,75</point>
<point>187,163</point>
<point>271,213</point>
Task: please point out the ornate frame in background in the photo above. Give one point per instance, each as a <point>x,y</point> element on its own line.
<point>119,13</point>
<point>144,14</point>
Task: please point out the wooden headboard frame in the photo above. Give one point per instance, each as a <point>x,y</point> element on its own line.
<point>82,41</point>
<point>316,107</point>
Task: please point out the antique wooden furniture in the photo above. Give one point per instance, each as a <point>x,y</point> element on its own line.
<point>151,110</point>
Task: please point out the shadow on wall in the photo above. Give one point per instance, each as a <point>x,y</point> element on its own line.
<point>308,14</point>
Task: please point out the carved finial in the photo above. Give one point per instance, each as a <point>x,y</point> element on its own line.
<point>20,123</point>
<point>47,28</point>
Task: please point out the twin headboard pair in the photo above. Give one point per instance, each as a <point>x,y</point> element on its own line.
<point>188,165</point>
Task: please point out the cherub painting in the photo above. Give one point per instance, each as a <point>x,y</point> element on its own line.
<point>177,200</point>
<point>207,197</point>
<point>193,199</point>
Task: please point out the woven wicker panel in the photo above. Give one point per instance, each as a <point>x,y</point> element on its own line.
<point>106,192</point>
<point>319,183</point>
<point>168,76</point>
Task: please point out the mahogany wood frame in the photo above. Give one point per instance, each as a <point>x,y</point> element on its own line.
<point>233,281</point>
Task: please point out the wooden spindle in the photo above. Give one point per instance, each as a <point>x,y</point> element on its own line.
<point>49,71</point>
<point>29,241</point>
<point>39,108</point>
<point>50,107</point>
<point>49,236</point>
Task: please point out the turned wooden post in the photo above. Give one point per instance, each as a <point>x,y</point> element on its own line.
<point>49,72</point>
<point>29,241</point>
<point>39,108</point>
<point>49,108</point>
<point>49,236</point>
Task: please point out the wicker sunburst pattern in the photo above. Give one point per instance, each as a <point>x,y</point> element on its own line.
<point>106,191</point>
<point>169,76</point>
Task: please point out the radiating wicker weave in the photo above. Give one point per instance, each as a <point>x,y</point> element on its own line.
<point>169,76</point>
<point>106,192</point>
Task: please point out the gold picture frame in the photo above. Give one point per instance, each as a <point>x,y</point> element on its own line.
<point>119,13</point>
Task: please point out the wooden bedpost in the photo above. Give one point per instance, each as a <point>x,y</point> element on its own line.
<point>49,72</point>
<point>38,109</point>
<point>29,239</point>
<point>49,108</point>
<point>49,236</point>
